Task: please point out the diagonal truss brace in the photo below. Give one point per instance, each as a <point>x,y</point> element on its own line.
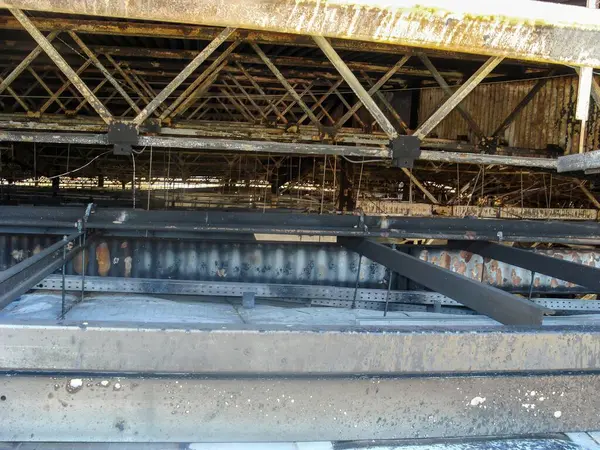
<point>355,85</point>
<point>176,82</point>
<point>25,63</point>
<point>448,91</point>
<point>104,71</point>
<point>63,65</point>
<point>286,84</point>
<point>493,302</point>
<point>458,96</point>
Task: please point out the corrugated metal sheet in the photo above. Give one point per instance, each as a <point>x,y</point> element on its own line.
<point>255,262</point>
<point>506,276</point>
<point>282,263</point>
<point>548,119</point>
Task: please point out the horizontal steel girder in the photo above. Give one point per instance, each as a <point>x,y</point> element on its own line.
<point>520,29</point>
<point>203,144</point>
<point>119,222</point>
<point>181,409</point>
<point>315,148</point>
<point>317,294</point>
<point>499,305</point>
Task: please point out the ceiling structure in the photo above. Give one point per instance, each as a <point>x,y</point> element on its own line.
<point>300,111</point>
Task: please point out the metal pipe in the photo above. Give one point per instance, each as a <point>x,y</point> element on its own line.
<point>474,158</point>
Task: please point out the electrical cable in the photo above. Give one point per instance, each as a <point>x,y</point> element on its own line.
<point>82,167</point>
<point>361,162</point>
<point>133,179</point>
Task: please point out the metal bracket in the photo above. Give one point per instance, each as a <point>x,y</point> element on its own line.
<point>405,149</point>
<point>152,126</point>
<point>489,145</point>
<point>122,136</point>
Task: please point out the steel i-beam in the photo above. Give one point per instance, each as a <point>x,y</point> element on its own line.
<point>493,302</point>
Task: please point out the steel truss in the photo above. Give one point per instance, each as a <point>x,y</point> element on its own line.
<point>236,94</point>
<point>243,91</point>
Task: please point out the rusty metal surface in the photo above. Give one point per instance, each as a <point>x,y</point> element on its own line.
<point>499,274</point>
<point>281,263</point>
<point>403,209</point>
<point>548,119</point>
<point>518,29</point>
<point>204,260</point>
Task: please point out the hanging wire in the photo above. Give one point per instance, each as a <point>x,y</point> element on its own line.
<point>82,167</point>
<point>363,160</point>
<point>267,184</point>
<point>323,187</point>
<point>149,179</point>
<point>133,179</point>
<point>360,180</point>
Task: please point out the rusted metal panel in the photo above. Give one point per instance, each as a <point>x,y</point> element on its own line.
<point>506,276</point>
<point>512,28</point>
<point>281,263</point>
<point>301,263</point>
<point>549,119</point>
<point>398,208</point>
<point>395,208</point>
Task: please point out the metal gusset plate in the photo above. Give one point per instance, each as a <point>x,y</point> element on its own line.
<point>495,303</point>
<point>536,262</point>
